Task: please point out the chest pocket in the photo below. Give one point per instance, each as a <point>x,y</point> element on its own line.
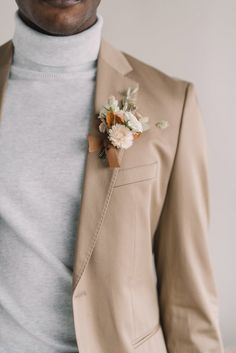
<point>136,174</point>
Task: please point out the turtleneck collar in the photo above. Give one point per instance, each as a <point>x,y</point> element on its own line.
<point>33,46</point>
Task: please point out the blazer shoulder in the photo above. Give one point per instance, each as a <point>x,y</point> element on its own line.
<point>5,50</point>
<point>5,44</point>
<point>155,80</point>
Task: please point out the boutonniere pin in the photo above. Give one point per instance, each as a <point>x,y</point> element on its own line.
<point>121,123</point>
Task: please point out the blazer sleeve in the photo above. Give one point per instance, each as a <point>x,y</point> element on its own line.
<point>188,297</point>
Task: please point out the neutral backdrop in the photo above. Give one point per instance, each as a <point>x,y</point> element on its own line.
<point>196,41</point>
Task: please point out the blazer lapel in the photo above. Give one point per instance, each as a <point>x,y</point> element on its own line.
<point>112,70</point>
<point>112,79</point>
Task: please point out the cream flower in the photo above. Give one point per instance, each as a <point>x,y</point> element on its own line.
<point>132,122</point>
<point>120,136</point>
<point>143,120</point>
<point>102,126</point>
<point>112,105</point>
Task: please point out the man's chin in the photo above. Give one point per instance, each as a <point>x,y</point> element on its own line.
<point>61,4</point>
<point>59,17</point>
<point>55,20</point>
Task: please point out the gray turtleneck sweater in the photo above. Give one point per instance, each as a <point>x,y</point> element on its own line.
<point>46,114</point>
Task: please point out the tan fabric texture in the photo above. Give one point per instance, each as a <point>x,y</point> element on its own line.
<point>143,279</point>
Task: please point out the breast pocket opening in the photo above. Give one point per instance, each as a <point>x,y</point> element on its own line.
<point>136,174</point>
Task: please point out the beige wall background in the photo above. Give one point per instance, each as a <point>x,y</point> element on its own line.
<point>194,40</point>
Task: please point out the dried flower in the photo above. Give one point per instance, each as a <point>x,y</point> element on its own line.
<point>122,123</point>
<point>162,124</point>
<point>120,136</point>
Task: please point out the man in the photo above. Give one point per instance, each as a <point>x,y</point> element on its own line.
<point>125,267</point>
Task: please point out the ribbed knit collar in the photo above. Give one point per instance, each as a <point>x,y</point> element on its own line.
<point>56,51</point>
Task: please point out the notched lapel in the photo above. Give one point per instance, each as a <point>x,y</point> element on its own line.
<point>99,179</point>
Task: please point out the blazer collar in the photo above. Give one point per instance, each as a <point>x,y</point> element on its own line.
<point>112,78</point>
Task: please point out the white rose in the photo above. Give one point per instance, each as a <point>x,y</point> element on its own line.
<point>133,122</point>
<point>120,136</point>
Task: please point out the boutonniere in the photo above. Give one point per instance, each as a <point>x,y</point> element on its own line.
<point>121,123</point>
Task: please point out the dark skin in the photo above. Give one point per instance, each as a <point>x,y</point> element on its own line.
<point>55,17</point>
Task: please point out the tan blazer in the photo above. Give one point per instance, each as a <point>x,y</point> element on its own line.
<point>143,280</point>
